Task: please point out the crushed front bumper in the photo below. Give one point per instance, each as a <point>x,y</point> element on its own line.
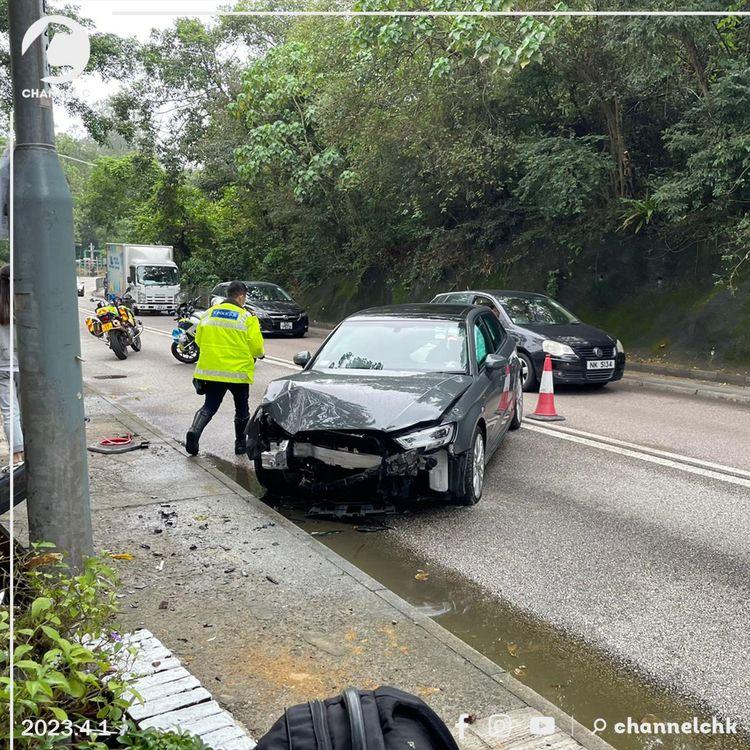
<point>333,464</point>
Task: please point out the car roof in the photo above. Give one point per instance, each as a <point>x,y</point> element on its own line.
<point>495,292</point>
<point>418,311</point>
<point>256,283</point>
<point>509,293</point>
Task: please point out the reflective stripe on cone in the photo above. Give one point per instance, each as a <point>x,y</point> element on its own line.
<point>545,406</point>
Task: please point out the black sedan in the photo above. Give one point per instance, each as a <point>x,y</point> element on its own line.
<point>276,311</point>
<point>398,401</point>
<point>581,354</point>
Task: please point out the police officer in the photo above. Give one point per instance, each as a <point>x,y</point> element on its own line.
<point>229,340</point>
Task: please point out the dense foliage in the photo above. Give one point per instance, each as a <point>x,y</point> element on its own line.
<point>384,158</point>
<point>64,646</point>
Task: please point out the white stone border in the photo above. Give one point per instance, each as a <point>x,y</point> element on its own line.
<point>173,699</point>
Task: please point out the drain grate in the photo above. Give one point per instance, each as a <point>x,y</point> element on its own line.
<point>108,377</point>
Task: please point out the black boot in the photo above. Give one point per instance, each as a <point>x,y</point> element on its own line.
<point>200,420</point>
<point>240,447</point>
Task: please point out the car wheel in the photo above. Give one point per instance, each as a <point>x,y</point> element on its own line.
<point>275,481</point>
<point>528,374</point>
<point>473,480</point>
<point>515,422</point>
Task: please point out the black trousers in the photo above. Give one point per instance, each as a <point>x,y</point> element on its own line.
<point>215,392</point>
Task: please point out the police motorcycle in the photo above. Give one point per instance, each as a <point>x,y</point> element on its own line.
<point>184,349</point>
<point>116,325</point>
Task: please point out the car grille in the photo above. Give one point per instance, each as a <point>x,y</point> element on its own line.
<point>347,441</point>
<point>283,316</point>
<point>598,376</point>
<point>587,352</point>
<point>161,299</point>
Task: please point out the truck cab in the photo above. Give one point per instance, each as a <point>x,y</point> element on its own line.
<point>145,273</point>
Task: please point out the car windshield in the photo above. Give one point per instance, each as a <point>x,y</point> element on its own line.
<point>400,345</point>
<point>158,275</point>
<point>259,291</point>
<point>266,292</point>
<point>536,310</point>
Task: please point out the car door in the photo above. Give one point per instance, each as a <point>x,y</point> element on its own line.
<point>505,346</point>
<point>495,382</point>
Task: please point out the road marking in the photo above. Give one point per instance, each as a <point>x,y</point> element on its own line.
<point>282,363</point>
<point>697,462</point>
<point>677,461</point>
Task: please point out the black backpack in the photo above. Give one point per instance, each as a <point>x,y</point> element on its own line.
<point>383,719</point>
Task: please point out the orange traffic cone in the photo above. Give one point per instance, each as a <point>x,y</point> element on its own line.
<point>545,406</point>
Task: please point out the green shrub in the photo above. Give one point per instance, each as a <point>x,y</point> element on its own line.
<point>151,739</point>
<point>64,646</point>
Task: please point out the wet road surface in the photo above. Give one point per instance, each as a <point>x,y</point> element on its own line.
<point>638,547</point>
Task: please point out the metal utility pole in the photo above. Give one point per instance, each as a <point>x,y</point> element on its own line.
<point>46,309</point>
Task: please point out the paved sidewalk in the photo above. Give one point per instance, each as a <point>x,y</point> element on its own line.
<point>264,615</point>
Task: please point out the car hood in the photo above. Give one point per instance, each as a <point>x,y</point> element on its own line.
<point>275,307</point>
<point>327,400</point>
<point>572,333</point>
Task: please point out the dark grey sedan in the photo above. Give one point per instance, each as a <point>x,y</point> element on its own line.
<point>398,401</point>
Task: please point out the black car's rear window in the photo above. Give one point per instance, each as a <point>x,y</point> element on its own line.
<point>398,345</point>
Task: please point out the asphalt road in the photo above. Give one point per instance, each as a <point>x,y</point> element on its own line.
<point>626,525</point>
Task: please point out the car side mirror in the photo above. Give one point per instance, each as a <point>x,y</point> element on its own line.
<point>302,358</point>
<point>495,362</point>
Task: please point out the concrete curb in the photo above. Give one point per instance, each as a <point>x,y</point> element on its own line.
<point>692,373</point>
<point>525,694</point>
<point>688,389</point>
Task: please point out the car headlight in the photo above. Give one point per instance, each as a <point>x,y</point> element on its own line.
<point>619,347</point>
<point>432,437</point>
<point>557,349</point>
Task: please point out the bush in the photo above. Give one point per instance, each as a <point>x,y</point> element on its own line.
<point>64,646</point>
<point>151,739</point>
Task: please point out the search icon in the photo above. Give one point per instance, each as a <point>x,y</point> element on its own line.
<point>599,725</point>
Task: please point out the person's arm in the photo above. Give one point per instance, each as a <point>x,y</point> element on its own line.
<point>254,337</point>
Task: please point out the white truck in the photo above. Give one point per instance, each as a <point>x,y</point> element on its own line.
<point>146,273</point>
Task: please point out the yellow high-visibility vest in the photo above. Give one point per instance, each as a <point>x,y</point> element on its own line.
<point>229,340</point>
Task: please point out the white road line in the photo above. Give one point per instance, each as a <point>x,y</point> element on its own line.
<point>696,462</point>
<point>683,463</point>
<point>282,363</point>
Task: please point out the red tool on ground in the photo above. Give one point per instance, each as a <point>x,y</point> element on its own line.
<point>118,444</point>
<point>545,407</point>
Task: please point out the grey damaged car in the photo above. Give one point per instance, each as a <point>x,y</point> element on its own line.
<point>399,401</point>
